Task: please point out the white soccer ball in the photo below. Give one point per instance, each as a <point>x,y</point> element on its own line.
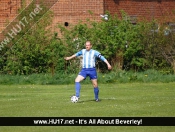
<point>74,99</point>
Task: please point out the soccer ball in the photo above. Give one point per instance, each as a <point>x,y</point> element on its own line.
<point>74,99</point>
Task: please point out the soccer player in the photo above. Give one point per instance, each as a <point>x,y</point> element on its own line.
<point>88,68</point>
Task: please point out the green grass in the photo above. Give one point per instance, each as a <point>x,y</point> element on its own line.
<point>117,100</point>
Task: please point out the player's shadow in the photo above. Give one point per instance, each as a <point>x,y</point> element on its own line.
<point>90,100</point>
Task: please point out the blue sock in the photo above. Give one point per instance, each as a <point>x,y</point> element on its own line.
<point>77,89</point>
<point>96,91</point>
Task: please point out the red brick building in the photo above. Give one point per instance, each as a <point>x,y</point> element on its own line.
<point>149,9</point>
<point>71,11</point>
<point>8,11</point>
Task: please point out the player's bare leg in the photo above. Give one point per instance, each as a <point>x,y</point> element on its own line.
<point>79,78</point>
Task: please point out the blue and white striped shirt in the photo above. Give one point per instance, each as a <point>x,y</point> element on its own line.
<point>89,57</point>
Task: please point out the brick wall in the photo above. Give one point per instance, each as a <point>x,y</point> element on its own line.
<point>8,11</point>
<point>72,11</point>
<point>148,9</point>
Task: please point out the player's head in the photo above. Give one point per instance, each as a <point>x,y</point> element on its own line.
<point>88,45</point>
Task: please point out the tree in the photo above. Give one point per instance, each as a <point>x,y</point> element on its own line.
<point>37,49</point>
<point>118,40</point>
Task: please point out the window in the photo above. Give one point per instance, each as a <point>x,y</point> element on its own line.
<point>154,27</point>
<point>133,19</point>
<point>172,27</point>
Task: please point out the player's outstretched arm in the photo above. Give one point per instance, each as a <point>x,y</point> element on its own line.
<point>109,66</point>
<point>70,57</point>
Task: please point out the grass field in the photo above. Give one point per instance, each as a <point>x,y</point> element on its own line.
<point>117,100</point>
